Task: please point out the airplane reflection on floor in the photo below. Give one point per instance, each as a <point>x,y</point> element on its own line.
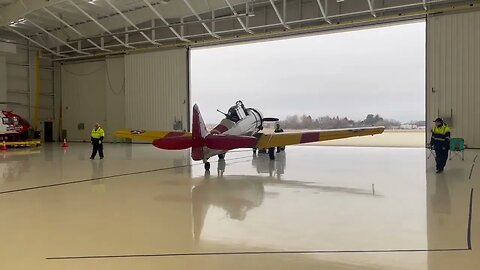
<point>238,194</point>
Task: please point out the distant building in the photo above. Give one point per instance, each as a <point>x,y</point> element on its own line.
<point>408,126</point>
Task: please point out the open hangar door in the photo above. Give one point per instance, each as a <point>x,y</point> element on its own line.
<point>139,91</point>
<point>335,79</point>
<point>453,73</point>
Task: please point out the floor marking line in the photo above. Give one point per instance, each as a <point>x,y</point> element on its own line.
<point>475,159</point>
<point>469,226</point>
<point>103,177</point>
<point>471,171</point>
<point>253,253</point>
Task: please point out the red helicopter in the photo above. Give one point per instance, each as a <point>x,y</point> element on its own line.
<point>13,127</point>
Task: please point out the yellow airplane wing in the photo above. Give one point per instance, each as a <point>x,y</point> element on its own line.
<point>281,139</point>
<point>148,135</point>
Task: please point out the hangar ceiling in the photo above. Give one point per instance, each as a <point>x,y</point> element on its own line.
<point>69,29</point>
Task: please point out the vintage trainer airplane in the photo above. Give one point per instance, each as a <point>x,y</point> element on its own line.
<point>239,129</point>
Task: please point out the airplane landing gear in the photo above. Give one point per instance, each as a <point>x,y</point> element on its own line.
<point>221,156</point>
<point>271,153</point>
<point>207,166</point>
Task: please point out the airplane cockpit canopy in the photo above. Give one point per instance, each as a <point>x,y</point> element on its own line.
<point>237,112</point>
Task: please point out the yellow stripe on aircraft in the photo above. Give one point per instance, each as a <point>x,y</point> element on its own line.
<point>148,135</point>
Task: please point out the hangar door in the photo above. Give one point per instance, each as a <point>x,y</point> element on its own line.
<point>93,92</point>
<point>82,98</point>
<point>156,94</point>
<point>139,91</point>
<point>453,73</point>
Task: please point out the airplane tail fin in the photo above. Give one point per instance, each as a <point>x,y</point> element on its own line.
<point>199,133</point>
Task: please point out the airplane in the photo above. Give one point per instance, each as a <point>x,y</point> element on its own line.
<point>13,127</point>
<point>241,128</point>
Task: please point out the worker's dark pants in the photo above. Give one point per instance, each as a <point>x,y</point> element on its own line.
<point>441,156</point>
<point>97,147</point>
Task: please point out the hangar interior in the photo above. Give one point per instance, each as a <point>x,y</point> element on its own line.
<point>125,63</point>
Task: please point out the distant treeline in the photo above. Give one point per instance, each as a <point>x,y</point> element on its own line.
<point>327,122</point>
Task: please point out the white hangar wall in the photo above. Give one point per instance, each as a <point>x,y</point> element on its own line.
<point>156,91</point>
<point>140,91</point>
<point>453,73</point>
<point>93,92</point>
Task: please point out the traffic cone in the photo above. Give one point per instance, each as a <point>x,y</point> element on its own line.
<point>4,146</point>
<point>65,145</point>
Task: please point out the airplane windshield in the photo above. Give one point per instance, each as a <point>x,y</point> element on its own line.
<point>6,121</point>
<point>237,112</point>
<point>232,114</point>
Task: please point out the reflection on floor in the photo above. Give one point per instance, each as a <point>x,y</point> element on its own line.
<point>313,207</point>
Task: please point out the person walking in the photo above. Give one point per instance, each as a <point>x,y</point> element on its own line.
<point>278,129</point>
<point>440,142</point>
<point>97,141</point>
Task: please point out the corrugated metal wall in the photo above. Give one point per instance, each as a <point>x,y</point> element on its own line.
<point>114,95</point>
<point>453,73</point>
<point>156,94</point>
<point>21,84</point>
<point>83,98</point>
<point>93,92</point>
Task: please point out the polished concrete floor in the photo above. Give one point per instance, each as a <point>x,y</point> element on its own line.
<point>314,207</point>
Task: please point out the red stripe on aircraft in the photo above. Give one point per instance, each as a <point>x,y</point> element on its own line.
<point>174,134</point>
<point>310,137</point>
<point>219,129</point>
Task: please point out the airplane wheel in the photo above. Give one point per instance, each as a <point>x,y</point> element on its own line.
<point>207,166</point>
<point>271,153</point>
<point>221,156</point>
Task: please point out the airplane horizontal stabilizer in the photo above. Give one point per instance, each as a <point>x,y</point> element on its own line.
<point>174,143</point>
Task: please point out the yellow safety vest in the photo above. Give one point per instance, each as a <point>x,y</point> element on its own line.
<point>441,135</point>
<point>441,130</point>
<point>97,134</point>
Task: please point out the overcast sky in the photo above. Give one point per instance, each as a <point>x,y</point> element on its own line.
<point>353,73</point>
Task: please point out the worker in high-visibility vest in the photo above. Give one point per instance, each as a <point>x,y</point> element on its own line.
<point>97,141</point>
<point>440,142</point>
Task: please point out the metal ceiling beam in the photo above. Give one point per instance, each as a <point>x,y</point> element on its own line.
<point>71,13</point>
<point>282,21</point>
<point>370,6</point>
<point>417,14</point>
<point>200,19</point>
<point>165,21</point>
<point>19,9</point>
<point>37,43</point>
<point>74,30</point>
<point>131,23</point>
<point>57,38</point>
<point>238,19</point>
<point>181,24</point>
<point>100,25</point>
<point>324,14</point>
